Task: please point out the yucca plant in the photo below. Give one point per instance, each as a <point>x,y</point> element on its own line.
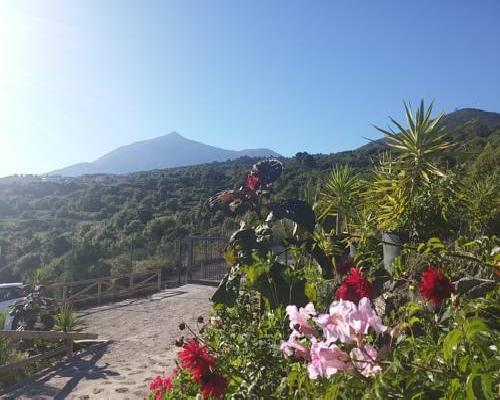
<point>311,194</point>
<point>397,181</point>
<point>386,196</point>
<point>481,200</point>
<point>2,319</point>
<point>340,196</point>
<point>417,146</point>
<point>66,319</point>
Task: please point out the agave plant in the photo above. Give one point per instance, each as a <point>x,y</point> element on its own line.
<point>66,319</point>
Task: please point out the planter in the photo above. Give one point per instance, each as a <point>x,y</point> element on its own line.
<point>392,242</point>
<point>352,251</point>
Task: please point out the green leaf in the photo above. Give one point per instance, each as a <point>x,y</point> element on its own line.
<point>311,292</point>
<point>450,343</point>
<point>479,387</point>
<point>474,326</point>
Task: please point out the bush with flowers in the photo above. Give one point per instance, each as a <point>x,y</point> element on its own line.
<point>324,324</point>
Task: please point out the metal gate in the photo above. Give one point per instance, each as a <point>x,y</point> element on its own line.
<point>205,259</point>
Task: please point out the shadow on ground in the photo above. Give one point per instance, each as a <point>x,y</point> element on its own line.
<point>73,370</point>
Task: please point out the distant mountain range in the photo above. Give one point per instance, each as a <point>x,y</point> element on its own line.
<point>172,150</point>
<point>466,125</point>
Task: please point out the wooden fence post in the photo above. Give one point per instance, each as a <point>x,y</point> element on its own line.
<point>159,279</point>
<point>69,347</point>
<point>131,281</point>
<point>64,293</point>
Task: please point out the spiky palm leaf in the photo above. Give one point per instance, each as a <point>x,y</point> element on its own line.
<point>419,144</point>
<point>396,182</point>
<point>340,196</point>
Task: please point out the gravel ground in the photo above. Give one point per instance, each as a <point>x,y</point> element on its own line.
<point>141,334</point>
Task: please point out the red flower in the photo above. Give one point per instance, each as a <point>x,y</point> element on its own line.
<point>160,385</point>
<point>435,286</point>
<point>253,181</point>
<point>354,287</point>
<point>212,384</point>
<point>195,358</point>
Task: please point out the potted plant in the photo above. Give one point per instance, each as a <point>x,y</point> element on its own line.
<point>398,181</point>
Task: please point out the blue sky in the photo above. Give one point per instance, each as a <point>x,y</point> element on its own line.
<point>79,78</point>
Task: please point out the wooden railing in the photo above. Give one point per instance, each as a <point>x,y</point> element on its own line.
<point>106,288</point>
<point>67,347</point>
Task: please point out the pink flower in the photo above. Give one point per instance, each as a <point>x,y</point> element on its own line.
<point>293,347</point>
<point>365,360</point>
<point>299,318</point>
<point>335,325</point>
<point>365,317</point>
<point>327,359</point>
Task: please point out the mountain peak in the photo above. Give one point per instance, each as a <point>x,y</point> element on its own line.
<point>167,151</point>
<point>174,134</point>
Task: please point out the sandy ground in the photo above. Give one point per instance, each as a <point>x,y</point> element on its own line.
<point>142,333</point>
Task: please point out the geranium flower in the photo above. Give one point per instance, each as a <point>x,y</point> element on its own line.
<point>327,359</point>
<point>435,286</point>
<point>293,347</point>
<point>253,181</point>
<point>212,385</point>
<point>365,317</point>
<point>354,287</point>
<point>160,384</point>
<point>365,360</point>
<point>195,358</point>
<point>299,318</point>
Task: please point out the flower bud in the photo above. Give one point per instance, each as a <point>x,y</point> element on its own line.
<point>215,321</point>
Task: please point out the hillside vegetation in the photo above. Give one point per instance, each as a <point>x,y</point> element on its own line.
<point>96,225</point>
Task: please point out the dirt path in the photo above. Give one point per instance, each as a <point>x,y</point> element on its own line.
<point>141,331</point>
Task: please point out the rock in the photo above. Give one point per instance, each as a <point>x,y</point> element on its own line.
<point>380,279</point>
<point>380,305</point>
<point>394,295</point>
<point>472,287</point>
<point>121,390</point>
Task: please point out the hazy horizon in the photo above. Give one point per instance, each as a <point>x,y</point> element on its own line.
<point>80,79</point>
